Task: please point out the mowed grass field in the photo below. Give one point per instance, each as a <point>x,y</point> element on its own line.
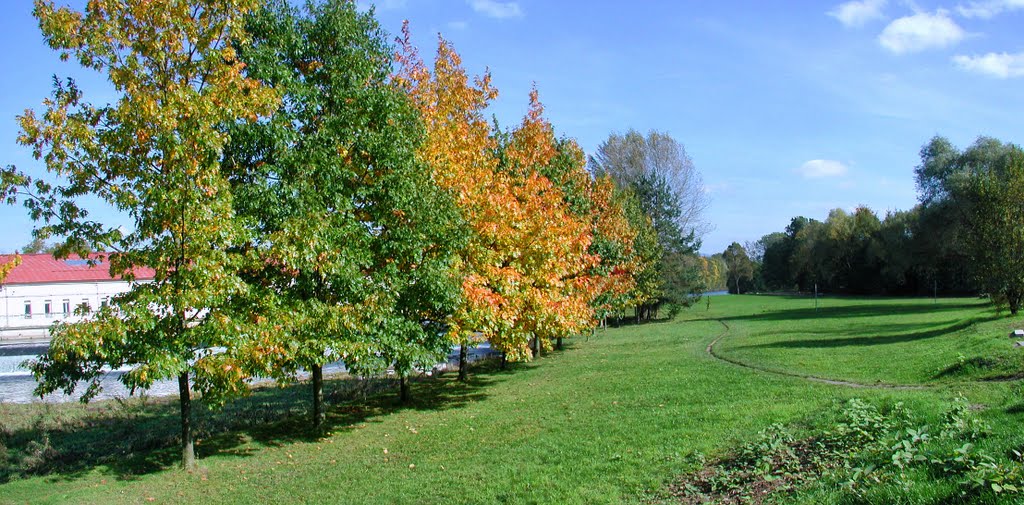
<point>614,418</point>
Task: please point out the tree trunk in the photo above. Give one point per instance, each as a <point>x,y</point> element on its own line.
<point>463,361</point>
<point>188,453</point>
<point>536,347</point>
<point>504,360</point>
<point>558,344</point>
<point>318,396</point>
<point>403,389</point>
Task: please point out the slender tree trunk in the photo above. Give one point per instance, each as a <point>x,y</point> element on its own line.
<point>463,362</point>
<point>504,360</point>
<point>536,347</point>
<point>318,396</point>
<point>558,344</point>
<point>188,453</point>
<point>403,389</point>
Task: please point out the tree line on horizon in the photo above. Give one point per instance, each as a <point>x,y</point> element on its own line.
<point>964,237</point>
<point>307,192</point>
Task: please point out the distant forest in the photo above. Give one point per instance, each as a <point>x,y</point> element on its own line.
<point>965,236</point>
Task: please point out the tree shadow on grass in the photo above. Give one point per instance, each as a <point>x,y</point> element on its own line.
<point>895,338</point>
<point>853,311</point>
<point>138,436</point>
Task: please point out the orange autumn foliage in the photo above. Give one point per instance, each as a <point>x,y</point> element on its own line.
<point>526,264</point>
<point>555,241</point>
<point>460,151</point>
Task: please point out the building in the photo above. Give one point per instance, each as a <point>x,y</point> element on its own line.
<point>43,290</point>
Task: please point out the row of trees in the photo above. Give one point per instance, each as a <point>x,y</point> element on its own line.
<point>305,193</point>
<point>964,237</point>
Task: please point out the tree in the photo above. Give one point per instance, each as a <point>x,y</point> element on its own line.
<point>615,243</point>
<point>648,287</point>
<point>978,191</point>
<point>154,154</point>
<point>739,266</point>
<point>659,163</point>
<point>36,246</point>
<point>460,152</point>
<point>777,248</point>
<point>356,248</point>
<point>8,265</point>
<point>551,240</point>
<point>668,189</point>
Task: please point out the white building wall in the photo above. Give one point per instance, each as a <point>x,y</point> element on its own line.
<point>15,324</point>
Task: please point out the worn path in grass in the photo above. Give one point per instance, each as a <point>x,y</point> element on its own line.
<point>835,382</point>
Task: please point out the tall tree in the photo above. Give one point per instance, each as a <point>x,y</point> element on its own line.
<point>739,266</point>
<point>155,155</point>
<point>978,192</point>
<point>615,243</point>
<point>356,247</point>
<point>460,151</point>
<point>775,261</point>
<point>551,238</point>
<point>668,189</point>
<point>668,185</point>
<point>648,287</point>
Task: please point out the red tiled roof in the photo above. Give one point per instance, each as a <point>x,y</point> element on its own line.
<point>43,268</point>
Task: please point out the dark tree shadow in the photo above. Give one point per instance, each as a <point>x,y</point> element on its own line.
<point>852,311</point>
<point>138,436</point>
<point>921,334</point>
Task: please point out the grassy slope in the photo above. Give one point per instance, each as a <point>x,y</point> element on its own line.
<point>604,421</point>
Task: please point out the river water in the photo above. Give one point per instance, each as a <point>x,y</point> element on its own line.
<point>17,383</point>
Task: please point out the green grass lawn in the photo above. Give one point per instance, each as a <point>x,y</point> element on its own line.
<point>870,340</point>
<point>614,418</point>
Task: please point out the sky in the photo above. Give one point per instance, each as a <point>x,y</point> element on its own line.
<point>786,111</point>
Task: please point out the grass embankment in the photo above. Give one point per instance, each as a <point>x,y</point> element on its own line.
<point>614,418</point>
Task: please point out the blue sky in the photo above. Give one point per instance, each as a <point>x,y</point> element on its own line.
<point>785,111</point>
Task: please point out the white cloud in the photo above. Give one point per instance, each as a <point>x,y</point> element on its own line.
<point>458,25</point>
<point>496,9</point>
<point>988,9</point>
<point>815,169</point>
<point>921,31</point>
<point>1001,65</point>
<point>858,13</point>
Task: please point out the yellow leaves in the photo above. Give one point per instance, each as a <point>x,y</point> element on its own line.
<point>11,264</point>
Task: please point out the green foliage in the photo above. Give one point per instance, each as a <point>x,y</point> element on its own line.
<point>353,259</point>
<point>740,267</point>
<point>153,154</point>
<point>988,195</point>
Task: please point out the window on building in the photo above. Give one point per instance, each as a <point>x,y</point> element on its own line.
<point>104,302</point>
<point>66,307</point>
<point>85,304</point>
<point>48,308</point>
<point>28,309</point>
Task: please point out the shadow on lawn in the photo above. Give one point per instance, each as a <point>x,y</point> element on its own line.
<point>139,436</point>
<point>924,331</point>
<point>850,311</point>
